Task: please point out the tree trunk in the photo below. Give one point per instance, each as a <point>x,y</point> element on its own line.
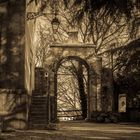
<point>82,91</point>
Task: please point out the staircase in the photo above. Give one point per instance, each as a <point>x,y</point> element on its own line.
<point>38,111</point>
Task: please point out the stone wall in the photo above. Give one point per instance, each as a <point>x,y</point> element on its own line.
<point>30,45</point>
<point>40,80</point>
<point>13,108</point>
<point>12,45</point>
<point>12,64</point>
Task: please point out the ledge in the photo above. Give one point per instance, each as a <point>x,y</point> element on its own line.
<point>72,45</point>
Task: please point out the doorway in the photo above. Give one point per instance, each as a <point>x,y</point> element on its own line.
<point>72,88</point>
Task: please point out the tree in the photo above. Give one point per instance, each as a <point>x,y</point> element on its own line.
<point>88,6</point>
<point>44,37</point>
<point>127,71</point>
<point>115,9</point>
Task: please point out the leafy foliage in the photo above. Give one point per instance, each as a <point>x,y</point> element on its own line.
<point>128,69</point>
<point>112,7</point>
<point>129,57</point>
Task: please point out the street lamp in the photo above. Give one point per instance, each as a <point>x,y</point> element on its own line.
<point>55,21</point>
<point>55,24</point>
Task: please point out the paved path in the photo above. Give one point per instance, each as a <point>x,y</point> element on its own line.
<point>103,131</point>
<point>81,131</point>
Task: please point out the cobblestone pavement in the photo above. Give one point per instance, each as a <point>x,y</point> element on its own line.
<point>79,131</point>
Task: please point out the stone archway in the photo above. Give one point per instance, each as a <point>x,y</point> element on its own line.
<point>78,51</point>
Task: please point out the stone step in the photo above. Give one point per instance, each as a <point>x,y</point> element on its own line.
<point>41,116</point>
<point>38,105</point>
<point>37,92</point>
<point>38,126</point>
<point>41,121</point>
<point>39,101</point>
<point>38,113</point>
<point>37,109</point>
<point>39,98</point>
<point>38,119</point>
<point>38,122</point>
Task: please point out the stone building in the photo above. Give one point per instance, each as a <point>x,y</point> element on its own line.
<point>16,63</point>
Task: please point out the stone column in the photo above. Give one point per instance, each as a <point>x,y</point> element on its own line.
<point>52,98</point>
<point>95,97</point>
<point>98,71</point>
<point>92,93</point>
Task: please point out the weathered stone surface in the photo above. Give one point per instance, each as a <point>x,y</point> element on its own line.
<point>12,65</point>
<point>85,54</point>
<point>107,90</point>
<point>13,108</point>
<point>13,43</point>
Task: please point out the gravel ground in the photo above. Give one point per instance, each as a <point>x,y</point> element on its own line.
<point>79,131</point>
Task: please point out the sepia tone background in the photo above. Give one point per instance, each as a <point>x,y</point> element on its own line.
<point>106,46</point>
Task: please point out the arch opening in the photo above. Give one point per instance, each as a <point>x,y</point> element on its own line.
<point>72,89</point>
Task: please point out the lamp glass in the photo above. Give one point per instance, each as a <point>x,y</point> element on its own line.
<point>55,24</point>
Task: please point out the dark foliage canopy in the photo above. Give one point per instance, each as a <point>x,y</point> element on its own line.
<point>112,7</point>
<point>128,72</point>
<point>3,1</point>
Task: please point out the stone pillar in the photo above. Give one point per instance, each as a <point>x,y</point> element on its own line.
<point>98,71</point>
<point>95,97</point>
<point>92,102</point>
<point>52,98</point>
<point>107,89</point>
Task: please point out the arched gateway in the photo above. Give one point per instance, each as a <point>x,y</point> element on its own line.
<point>80,52</point>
